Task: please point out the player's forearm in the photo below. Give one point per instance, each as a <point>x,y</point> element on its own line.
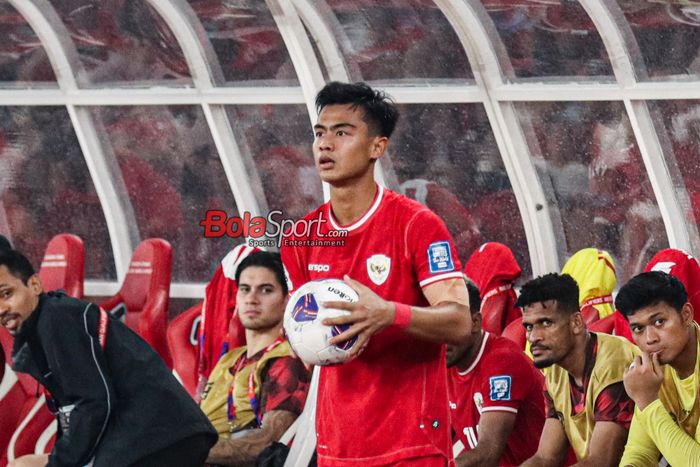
<point>481,455</point>
<point>240,451</point>
<point>446,322</point>
<point>244,450</point>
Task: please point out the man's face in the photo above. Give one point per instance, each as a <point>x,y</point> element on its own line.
<point>260,299</point>
<point>662,330</point>
<point>17,299</point>
<point>549,332</point>
<point>343,148</point>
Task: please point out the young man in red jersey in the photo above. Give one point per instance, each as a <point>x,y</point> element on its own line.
<point>388,405</point>
<point>495,397</point>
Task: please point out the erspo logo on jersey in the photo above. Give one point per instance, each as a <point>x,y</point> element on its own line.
<point>272,230</point>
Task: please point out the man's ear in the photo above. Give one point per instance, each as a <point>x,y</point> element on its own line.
<point>578,325</point>
<point>477,319</point>
<point>34,284</point>
<point>687,314</point>
<point>379,145</point>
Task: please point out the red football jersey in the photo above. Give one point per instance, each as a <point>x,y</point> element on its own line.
<point>502,378</point>
<point>390,403</point>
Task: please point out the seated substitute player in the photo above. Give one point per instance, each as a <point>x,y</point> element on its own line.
<point>255,392</point>
<point>587,406</point>
<point>663,381</point>
<point>495,396</point>
<point>400,258</point>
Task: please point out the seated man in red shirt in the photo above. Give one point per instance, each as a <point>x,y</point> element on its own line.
<point>496,399</point>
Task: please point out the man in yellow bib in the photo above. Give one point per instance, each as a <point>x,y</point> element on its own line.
<point>664,380</point>
<point>587,406</point>
<point>255,392</point>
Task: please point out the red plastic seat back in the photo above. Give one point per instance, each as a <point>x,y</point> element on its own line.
<point>35,432</point>
<point>145,293</point>
<point>516,333</point>
<point>183,333</point>
<point>63,266</point>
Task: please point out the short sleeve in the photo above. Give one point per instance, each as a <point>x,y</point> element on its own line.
<point>505,384</point>
<point>614,405</point>
<point>285,385</point>
<point>432,249</point>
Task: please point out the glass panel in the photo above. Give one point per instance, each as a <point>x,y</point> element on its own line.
<point>590,164</point>
<point>46,189</point>
<point>22,57</point>
<point>463,180</point>
<point>681,123</point>
<point>549,39</point>
<point>173,175</point>
<point>401,39</point>
<point>123,42</point>
<point>275,141</point>
<point>668,34</point>
<point>246,41</point>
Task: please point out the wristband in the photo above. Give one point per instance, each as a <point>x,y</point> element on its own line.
<point>402,315</point>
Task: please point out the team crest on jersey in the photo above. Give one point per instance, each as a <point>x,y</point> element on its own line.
<point>440,257</point>
<point>478,401</point>
<point>500,388</point>
<point>378,267</point>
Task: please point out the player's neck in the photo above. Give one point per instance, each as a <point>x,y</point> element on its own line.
<point>258,339</point>
<point>350,202</point>
<point>684,364</point>
<point>575,362</point>
<point>470,356</point>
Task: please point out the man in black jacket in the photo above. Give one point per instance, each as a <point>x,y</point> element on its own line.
<point>116,401</point>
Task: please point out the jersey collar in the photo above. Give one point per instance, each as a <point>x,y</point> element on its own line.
<point>362,220</point>
<point>478,357</point>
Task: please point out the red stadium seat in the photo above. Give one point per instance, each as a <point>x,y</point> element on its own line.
<point>17,395</point>
<point>145,293</point>
<point>183,332</point>
<point>516,332</point>
<point>63,265</point>
<point>36,431</point>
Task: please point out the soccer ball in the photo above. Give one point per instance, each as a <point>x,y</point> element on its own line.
<point>304,316</point>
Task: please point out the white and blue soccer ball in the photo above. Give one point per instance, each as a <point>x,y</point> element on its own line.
<point>303,322</point>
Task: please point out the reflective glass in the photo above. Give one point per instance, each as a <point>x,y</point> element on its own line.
<point>668,34</point>
<point>22,57</point>
<point>460,177</point>
<point>46,189</point>
<point>680,121</point>
<point>173,176</point>
<point>275,141</point>
<point>549,39</point>
<point>401,39</point>
<point>123,42</point>
<point>247,42</point>
<point>591,168</point>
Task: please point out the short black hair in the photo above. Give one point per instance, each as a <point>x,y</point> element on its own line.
<point>380,112</point>
<point>265,259</point>
<point>560,287</point>
<point>648,289</point>
<point>4,243</point>
<point>18,264</point>
<point>474,295</point>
